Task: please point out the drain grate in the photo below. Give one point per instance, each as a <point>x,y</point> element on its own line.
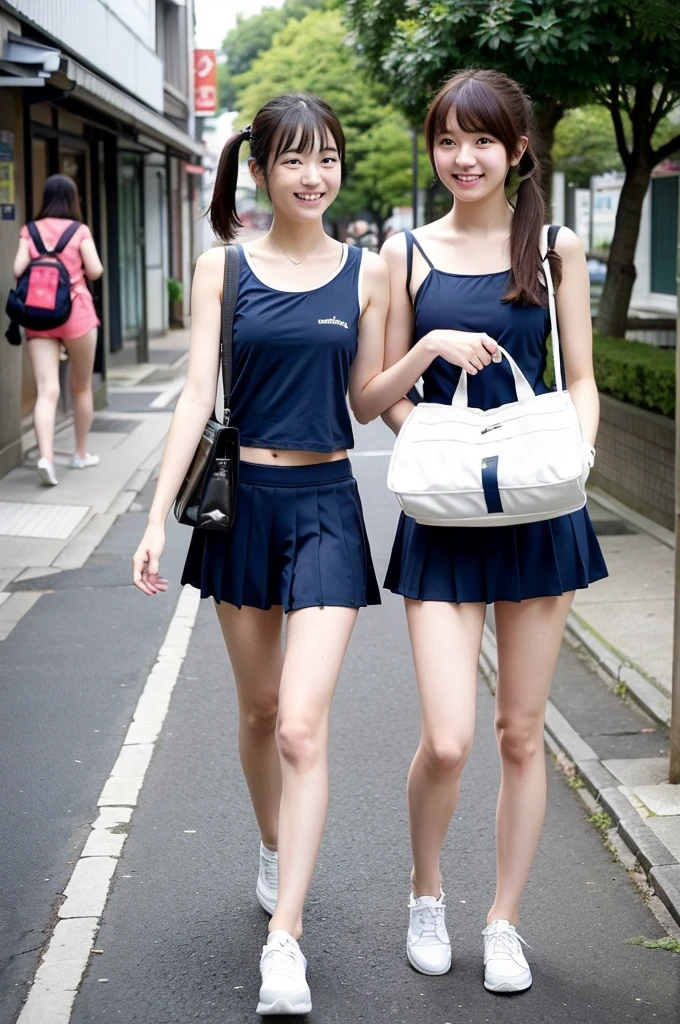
<point>102,425</point>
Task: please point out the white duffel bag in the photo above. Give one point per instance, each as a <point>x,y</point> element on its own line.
<point>520,463</point>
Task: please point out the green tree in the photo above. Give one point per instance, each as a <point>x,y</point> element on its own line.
<point>250,37</point>
<point>312,55</point>
<point>624,53</point>
<point>585,144</point>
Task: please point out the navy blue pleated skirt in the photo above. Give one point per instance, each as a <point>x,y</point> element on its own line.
<point>298,540</point>
<point>499,563</point>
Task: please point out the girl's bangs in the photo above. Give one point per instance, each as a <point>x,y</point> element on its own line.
<point>477,108</point>
<point>302,129</point>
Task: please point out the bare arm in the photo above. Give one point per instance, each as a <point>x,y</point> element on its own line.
<point>194,406</point>
<point>370,354</point>
<point>576,334</point>
<point>91,263</point>
<point>404,362</point>
<point>22,258</point>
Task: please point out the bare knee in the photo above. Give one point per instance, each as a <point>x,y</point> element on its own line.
<point>445,756</point>
<point>519,743</point>
<point>299,744</point>
<point>48,391</point>
<point>81,387</point>
<point>259,717</point>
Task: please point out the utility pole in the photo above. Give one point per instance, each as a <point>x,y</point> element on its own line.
<point>674,768</point>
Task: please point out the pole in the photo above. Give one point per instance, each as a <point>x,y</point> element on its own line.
<point>674,767</point>
<point>414,186</point>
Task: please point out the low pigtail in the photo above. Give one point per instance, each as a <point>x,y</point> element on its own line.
<point>222,215</point>
<point>525,234</point>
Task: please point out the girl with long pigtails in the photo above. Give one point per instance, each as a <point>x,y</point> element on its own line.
<point>469,283</point>
<point>308,329</point>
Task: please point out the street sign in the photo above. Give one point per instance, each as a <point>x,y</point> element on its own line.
<point>205,82</point>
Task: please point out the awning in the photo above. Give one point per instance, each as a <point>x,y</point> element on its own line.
<point>28,63</point>
<point>116,103</point>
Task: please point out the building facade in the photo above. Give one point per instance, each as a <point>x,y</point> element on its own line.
<point>101,90</point>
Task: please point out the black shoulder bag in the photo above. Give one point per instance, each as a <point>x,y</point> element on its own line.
<point>207,497</point>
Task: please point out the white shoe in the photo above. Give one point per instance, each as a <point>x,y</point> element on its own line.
<point>505,966</point>
<point>427,944</point>
<point>48,478</point>
<point>84,461</point>
<point>284,985</point>
<point>267,890</point>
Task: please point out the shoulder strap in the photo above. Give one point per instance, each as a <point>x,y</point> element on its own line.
<point>66,237</point>
<point>37,239</point>
<point>229,295</point>
<point>411,240</point>
<point>557,361</point>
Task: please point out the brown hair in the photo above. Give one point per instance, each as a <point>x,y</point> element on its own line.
<point>489,101</point>
<point>60,198</point>
<point>292,121</point>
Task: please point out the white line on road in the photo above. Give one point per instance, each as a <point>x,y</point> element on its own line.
<point>371,454</point>
<point>53,991</point>
<point>167,396</point>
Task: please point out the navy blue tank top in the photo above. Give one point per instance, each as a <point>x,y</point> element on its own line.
<point>473,302</point>
<point>292,353</point>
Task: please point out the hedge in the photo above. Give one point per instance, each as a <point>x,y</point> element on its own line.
<point>642,375</point>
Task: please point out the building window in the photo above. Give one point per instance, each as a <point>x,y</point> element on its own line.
<point>171,43</point>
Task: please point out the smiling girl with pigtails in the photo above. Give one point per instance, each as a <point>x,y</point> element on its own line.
<point>468,283</point>
<point>308,330</point>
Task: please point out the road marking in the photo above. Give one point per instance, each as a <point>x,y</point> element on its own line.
<point>53,991</point>
<point>378,453</point>
<point>166,397</point>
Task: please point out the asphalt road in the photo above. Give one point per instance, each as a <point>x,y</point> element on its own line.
<point>181,933</point>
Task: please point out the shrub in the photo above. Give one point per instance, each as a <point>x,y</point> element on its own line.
<point>633,372</point>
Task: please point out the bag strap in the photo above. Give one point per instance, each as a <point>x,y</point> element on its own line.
<point>65,237</point>
<point>550,237</point>
<point>37,238</point>
<point>229,296</point>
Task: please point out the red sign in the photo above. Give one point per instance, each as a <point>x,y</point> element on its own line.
<point>205,82</point>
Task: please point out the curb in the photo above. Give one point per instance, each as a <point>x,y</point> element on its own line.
<point>658,863</point>
<point>648,696</point>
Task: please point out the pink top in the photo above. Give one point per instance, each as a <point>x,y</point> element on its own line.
<point>51,230</point>
<point>83,314</point>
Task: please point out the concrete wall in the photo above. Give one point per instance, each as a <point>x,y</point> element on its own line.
<point>116,37</point>
<point>636,459</point>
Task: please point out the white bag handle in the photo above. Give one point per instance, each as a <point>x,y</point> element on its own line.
<point>522,385</point>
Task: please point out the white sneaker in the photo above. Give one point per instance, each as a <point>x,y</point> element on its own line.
<point>84,461</point>
<point>505,966</point>
<point>267,890</point>
<point>427,944</point>
<point>284,986</point>
<point>48,478</point>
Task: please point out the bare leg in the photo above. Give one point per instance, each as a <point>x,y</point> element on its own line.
<point>253,639</point>
<point>316,642</point>
<point>44,356</point>
<point>529,636</point>
<point>446,640</point>
<point>81,352</point>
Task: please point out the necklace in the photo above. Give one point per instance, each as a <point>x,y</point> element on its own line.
<point>296,263</point>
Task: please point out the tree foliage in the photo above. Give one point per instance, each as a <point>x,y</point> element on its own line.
<point>250,37</point>
<point>312,55</point>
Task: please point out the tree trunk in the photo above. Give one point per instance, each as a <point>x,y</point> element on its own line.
<point>547,116</point>
<point>620,279</point>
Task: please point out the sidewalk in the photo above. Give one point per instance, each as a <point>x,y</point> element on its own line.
<point>45,530</point>
<point>612,739</point>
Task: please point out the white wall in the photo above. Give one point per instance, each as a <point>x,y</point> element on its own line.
<point>116,37</point>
